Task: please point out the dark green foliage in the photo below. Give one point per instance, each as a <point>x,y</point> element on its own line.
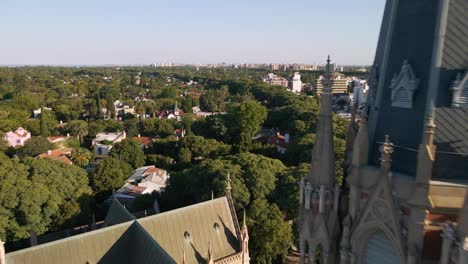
<point>144,201</point>
<point>274,235</point>
<point>213,126</point>
<point>81,157</point>
<point>131,127</point>
<point>201,148</point>
<point>244,121</point>
<point>213,101</point>
<point>109,175</point>
<point>78,128</point>
<point>129,151</point>
<point>34,146</point>
<point>163,127</point>
<point>38,195</point>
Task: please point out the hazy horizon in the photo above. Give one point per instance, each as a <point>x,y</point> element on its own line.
<point>123,33</point>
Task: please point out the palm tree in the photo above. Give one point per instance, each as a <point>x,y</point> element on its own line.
<point>81,157</point>
<point>78,128</point>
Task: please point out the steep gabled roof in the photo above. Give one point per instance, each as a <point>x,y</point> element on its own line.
<point>117,214</point>
<point>160,238</point>
<point>191,228</point>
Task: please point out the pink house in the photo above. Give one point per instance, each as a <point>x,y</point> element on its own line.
<point>19,137</point>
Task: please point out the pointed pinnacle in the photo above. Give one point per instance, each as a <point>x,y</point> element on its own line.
<point>228,182</point>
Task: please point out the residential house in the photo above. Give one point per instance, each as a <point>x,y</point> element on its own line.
<point>58,154</point>
<point>145,142</point>
<point>121,109</point>
<point>176,114</point>
<point>59,141</point>
<point>104,142</point>
<point>179,133</point>
<point>144,180</point>
<point>280,141</point>
<point>38,111</point>
<point>19,137</point>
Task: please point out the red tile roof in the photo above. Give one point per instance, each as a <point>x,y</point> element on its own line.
<point>144,140</point>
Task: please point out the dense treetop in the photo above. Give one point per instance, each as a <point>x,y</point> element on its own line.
<point>198,152</point>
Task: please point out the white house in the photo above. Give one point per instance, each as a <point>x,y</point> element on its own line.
<point>19,137</point>
<point>104,142</point>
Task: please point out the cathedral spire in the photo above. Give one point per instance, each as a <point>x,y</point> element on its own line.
<point>322,170</point>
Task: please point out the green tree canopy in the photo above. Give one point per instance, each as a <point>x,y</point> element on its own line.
<point>37,195</point>
<point>34,146</point>
<point>244,121</point>
<point>129,150</point>
<point>213,101</point>
<point>110,174</point>
<point>201,148</point>
<point>81,157</point>
<point>271,235</point>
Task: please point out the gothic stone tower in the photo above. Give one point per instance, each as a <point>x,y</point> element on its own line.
<point>319,193</point>
<point>403,188</point>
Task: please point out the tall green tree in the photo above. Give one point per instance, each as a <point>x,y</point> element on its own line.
<point>78,128</point>
<point>44,130</point>
<point>213,101</point>
<point>244,121</point>
<point>81,157</point>
<point>110,174</point>
<point>271,235</point>
<point>37,195</point>
<point>129,150</point>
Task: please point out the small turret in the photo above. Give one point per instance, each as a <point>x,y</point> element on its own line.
<point>245,241</point>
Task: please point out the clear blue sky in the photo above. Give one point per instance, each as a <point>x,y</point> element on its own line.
<point>70,32</point>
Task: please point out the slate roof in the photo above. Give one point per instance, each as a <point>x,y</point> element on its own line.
<point>161,238</point>
<point>123,243</point>
<point>415,38</point>
<point>454,51</point>
<point>117,214</point>
<point>205,221</point>
<point>451,135</point>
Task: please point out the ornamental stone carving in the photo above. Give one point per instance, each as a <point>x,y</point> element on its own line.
<point>459,90</point>
<point>404,86</point>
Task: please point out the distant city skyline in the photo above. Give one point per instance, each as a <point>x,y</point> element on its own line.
<point>141,32</point>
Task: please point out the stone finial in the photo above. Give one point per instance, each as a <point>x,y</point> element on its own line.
<point>228,182</point>
<point>386,151</point>
<point>244,224</point>
<point>2,252</point>
<point>430,130</point>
